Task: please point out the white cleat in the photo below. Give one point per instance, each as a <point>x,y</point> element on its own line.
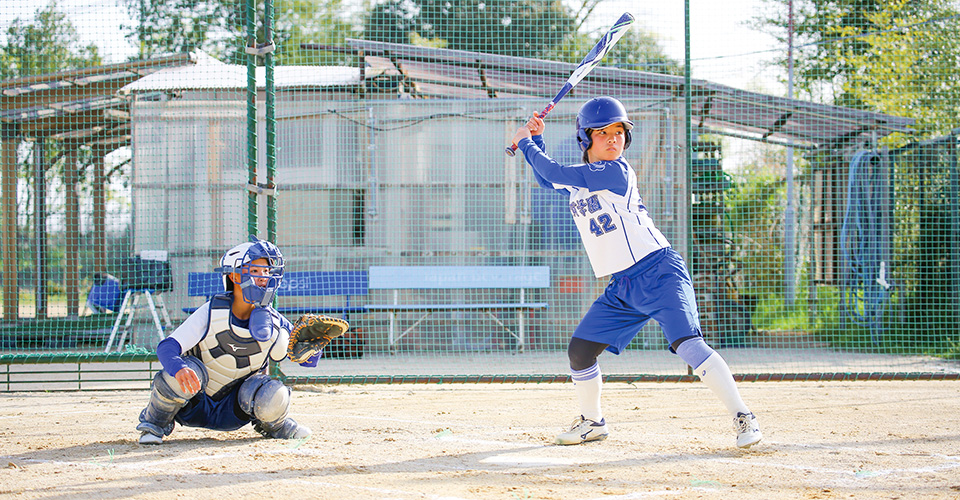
<point>148,438</point>
<point>583,430</point>
<point>748,430</point>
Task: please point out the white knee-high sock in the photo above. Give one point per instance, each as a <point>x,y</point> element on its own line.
<point>588,384</point>
<point>716,374</point>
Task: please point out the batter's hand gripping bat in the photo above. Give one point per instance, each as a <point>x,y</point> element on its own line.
<point>587,64</point>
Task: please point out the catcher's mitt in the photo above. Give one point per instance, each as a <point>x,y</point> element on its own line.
<point>311,333</point>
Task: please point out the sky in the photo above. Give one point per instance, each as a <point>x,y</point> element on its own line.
<point>722,49</point>
<point>96,21</point>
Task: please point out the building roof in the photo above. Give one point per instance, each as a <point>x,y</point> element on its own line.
<point>88,106</point>
<point>444,73</point>
<point>81,105</point>
<point>209,73</point>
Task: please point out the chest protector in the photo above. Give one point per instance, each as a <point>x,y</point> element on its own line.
<point>229,352</point>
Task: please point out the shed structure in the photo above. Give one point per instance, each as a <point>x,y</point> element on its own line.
<point>76,108</point>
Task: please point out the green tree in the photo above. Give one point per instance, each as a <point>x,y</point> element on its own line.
<point>172,26</point>
<point>392,21</point>
<point>218,27</point>
<point>532,28</point>
<point>638,50</point>
<point>526,28</point>
<point>312,22</point>
<point>815,25</point>
<point>907,67</point>
<point>890,56</point>
<point>896,57</point>
<point>46,44</point>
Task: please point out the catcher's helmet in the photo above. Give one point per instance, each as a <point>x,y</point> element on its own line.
<point>601,112</point>
<point>237,260</point>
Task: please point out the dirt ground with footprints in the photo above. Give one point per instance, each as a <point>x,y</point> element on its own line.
<point>822,440</point>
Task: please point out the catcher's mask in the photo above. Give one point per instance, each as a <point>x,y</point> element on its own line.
<point>238,259</point>
<point>598,113</point>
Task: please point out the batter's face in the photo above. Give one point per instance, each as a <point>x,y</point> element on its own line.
<point>607,143</point>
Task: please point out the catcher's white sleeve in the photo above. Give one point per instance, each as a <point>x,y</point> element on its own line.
<point>192,330</point>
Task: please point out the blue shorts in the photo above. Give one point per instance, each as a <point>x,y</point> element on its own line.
<point>657,287</point>
<point>223,415</point>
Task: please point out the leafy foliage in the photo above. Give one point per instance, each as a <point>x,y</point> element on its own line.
<point>526,28</point>
<point>755,222</point>
<point>172,26</point>
<point>638,50</point>
<point>218,27</point>
<point>47,44</point>
<point>312,22</point>
<point>906,66</point>
<point>890,56</point>
<point>530,28</point>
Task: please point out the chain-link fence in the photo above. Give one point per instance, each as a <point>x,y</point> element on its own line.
<point>801,156</point>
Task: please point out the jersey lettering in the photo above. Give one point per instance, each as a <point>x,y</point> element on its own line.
<point>593,203</point>
<point>583,207</point>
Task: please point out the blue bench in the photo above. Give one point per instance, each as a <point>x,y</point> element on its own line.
<point>295,284</point>
<point>397,278</point>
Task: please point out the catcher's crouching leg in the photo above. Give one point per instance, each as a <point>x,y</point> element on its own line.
<point>267,401</point>
<point>166,399</point>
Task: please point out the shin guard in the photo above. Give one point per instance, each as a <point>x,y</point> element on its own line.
<point>267,401</point>
<point>166,399</point>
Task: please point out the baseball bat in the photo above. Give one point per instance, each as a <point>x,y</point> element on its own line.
<point>590,61</point>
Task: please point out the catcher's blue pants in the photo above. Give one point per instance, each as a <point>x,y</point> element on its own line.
<point>658,287</point>
<point>223,415</point>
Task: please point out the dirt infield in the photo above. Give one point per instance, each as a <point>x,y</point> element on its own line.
<point>886,439</point>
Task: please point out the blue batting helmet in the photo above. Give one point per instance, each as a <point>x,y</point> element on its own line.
<point>598,113</point>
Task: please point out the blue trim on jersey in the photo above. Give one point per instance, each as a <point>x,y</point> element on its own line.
<point>598,176</point>
<point>658,287</point>
<point>624,224</point>
<point>626,237</point>
<point>608,175</point>
<point>654,237</point>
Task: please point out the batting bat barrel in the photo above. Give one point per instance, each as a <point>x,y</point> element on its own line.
<point>590,61</point>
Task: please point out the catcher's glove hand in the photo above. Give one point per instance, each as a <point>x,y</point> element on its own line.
<point>311,333</point>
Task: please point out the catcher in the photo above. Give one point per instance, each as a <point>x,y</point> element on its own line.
<point>214,363</point>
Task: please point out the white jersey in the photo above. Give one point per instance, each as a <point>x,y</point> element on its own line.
<point>615,228</point>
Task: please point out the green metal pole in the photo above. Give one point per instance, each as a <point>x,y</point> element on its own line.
<point>687,115</point>
<point>271,124</point>
<point>687,130</point>
<point>954,220</point>
<point>251,11</point>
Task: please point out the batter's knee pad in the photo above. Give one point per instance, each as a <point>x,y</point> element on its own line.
<point>264,399</point>
<point>693,351</point>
